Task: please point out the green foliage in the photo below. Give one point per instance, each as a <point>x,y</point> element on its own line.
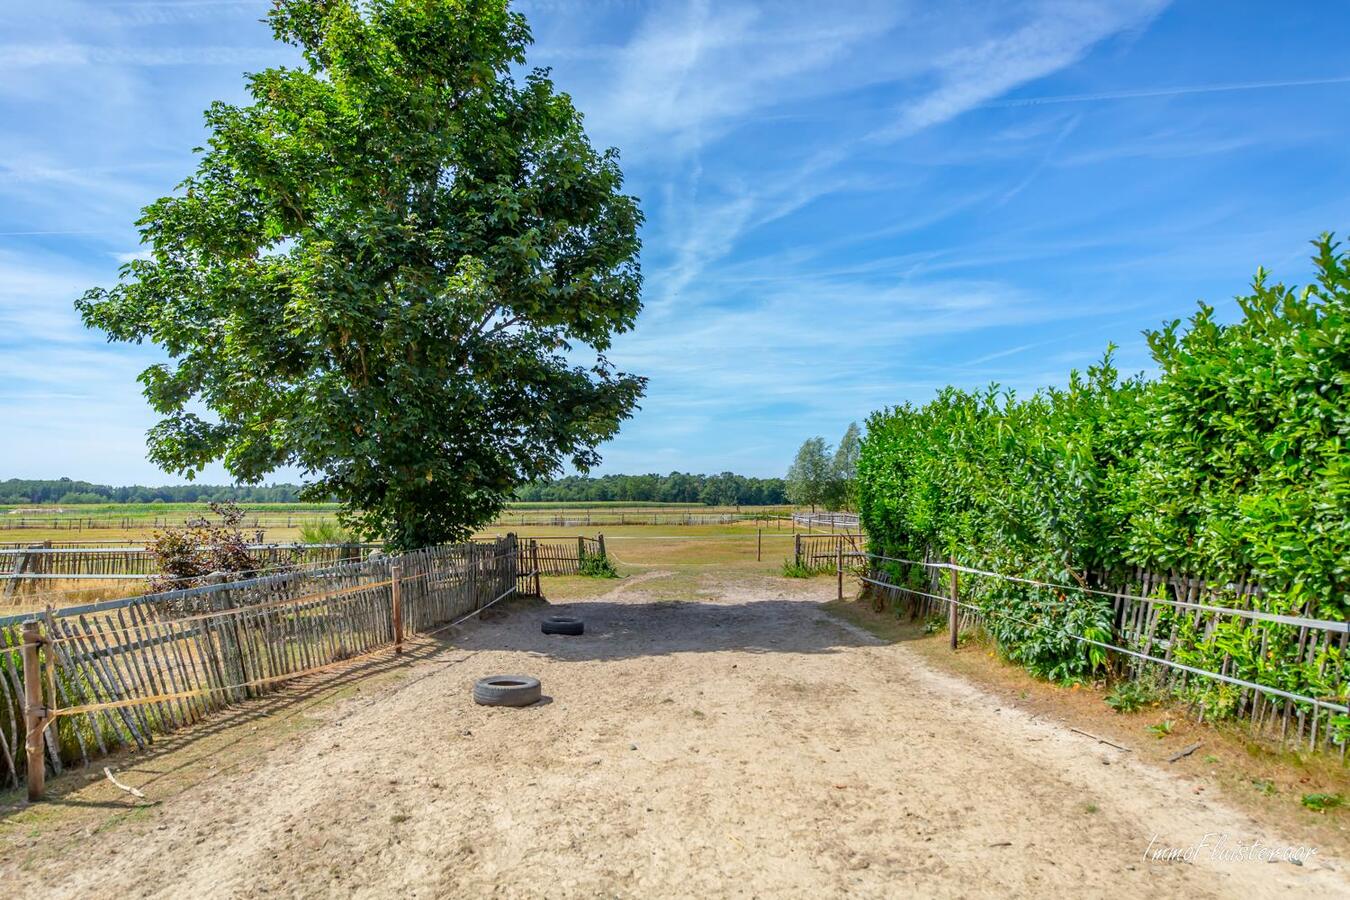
<point>797,570</point>
<point>1162,729</point>
<point>68,492</point>
<point>398,269</point>
<point>1322,802</point>
<point>596,565</point>
<point>726,489</point>
<point>325,531</point>
<point>841,490</point>
<point>808,478</point>
<point>1230,464</point>
<point>1242,464</point>
<point>1131,696</point>
<point>820,476</point>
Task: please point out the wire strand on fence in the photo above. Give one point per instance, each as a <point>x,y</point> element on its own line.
<point>1296,621</point>
<point>1334,707</point>
<point>508,592</point>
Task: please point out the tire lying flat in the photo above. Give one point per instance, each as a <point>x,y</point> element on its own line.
<point>506,690</point>
<point>562,625</point>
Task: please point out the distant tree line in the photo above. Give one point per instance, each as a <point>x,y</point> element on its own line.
<point>726,489</point>
<point>67,492</point>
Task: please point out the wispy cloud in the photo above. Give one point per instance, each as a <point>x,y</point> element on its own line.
<point>1142,93</point>
<point>675,77</point>
<point>14,56</point>
<point>135,13</point>
<point>1055,36</point>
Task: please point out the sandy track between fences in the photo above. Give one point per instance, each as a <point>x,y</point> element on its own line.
<point>747,744</point>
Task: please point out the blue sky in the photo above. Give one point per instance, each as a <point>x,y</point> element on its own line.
<point>848,205</point>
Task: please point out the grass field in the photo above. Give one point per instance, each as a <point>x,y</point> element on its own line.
<point>634,549</point>
<point>120,522</point>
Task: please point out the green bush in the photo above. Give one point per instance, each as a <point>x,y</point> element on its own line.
<point>596,565</point>
<point>793,569</point>
<point>325,531</point>
<point>1230,464</point>
<point>1131,696</point>
<point>1322,802</point>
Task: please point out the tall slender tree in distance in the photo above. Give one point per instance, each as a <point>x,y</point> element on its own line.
<point>809,476</point>
<point>844,483</point>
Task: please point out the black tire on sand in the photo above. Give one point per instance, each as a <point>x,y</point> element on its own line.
<point>506,690</point>
<point>562,625</point>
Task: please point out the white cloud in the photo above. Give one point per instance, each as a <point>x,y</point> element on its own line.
<point>1056,35</point>
<point>1179,91</point>
<point>15,56</point>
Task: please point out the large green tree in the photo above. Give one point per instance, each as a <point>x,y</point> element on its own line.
<point>399,269</point>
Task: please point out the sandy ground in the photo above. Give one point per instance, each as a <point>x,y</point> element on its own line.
<point>742,744</point>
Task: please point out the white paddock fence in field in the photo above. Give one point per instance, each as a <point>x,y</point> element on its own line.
<point>827,521</point>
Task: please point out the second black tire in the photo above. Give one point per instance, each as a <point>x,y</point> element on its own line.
<point>562,625</point>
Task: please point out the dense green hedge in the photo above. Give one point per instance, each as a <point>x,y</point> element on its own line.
<point>1231,462</point>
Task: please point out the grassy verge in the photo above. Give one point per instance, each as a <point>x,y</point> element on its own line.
<point>1251,775</point>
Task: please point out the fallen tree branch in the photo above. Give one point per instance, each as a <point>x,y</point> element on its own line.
<point>1187,751</point>
<point>130,790</point>
<point>1100,740</point>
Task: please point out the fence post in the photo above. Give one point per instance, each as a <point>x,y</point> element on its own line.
<point>34,713</point>
<point>600,539</point>
<point>951,611</point>
<point>581,554</point>
<point>839,566</point>
<point>534,559</point>
<point>471,573</point>
<point>759,544</point>
<point>395,594</point>
<point>21,565</point>
<point>797,549</point>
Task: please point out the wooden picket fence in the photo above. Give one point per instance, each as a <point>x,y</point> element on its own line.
<point>117,673</point>
<point>38,562</point>
<point>818,552</point>
<point>563,556</point>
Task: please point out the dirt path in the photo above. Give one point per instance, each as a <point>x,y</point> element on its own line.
<point>746,745</point>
